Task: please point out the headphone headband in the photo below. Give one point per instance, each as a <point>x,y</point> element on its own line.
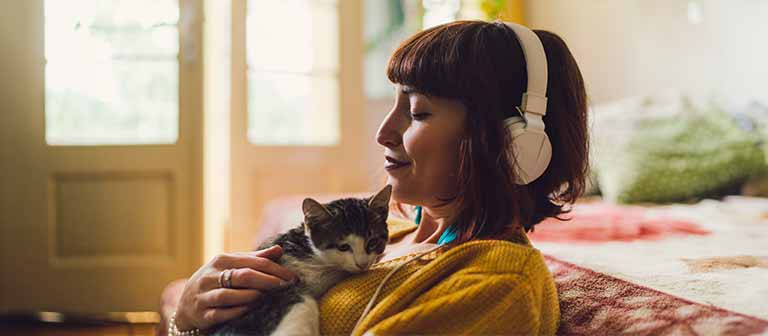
<point>535,97</point>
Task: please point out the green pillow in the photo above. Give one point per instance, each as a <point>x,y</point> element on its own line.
<point>682,154</point>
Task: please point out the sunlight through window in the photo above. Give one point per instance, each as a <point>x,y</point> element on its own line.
<point>111,74</point>
<point>292,57</point>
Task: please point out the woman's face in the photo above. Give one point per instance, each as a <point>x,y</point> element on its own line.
<point>421,136</point>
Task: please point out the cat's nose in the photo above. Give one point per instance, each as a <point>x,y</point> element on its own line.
<point>361,266</point>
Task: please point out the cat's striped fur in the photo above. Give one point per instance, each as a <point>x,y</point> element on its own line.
<point>335,240</point>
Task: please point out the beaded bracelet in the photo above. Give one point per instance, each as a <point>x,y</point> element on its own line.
<point>174,331</point>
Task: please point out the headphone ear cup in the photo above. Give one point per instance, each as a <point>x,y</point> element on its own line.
<point>529,152</point>
<point>515,126</point>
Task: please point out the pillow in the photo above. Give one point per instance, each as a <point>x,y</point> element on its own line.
<point>667,149</point>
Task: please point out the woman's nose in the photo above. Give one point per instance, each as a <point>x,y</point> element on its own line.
<point>388,135</point>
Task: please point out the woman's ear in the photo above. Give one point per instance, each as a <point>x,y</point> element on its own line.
<point>314,212</point>
<point>381,199</point>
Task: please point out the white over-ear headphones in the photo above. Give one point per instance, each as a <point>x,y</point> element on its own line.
<point>530,144</point>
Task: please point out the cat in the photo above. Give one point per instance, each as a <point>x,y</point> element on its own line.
<point>335,240</point>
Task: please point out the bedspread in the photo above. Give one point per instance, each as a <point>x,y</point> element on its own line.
<point>712,255</point>
<point>691,269</point>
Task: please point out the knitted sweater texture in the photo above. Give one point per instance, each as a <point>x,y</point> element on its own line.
<point>482,287</point>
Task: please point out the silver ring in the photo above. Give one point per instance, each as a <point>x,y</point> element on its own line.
<point>226,278</point>
<point>221,279</point>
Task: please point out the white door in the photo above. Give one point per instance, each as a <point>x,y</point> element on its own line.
<point>100,137</point>
<point>298,114</point>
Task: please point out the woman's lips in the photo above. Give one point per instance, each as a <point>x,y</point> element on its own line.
<point>392,163</point>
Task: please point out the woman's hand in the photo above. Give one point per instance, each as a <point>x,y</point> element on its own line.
<point>204,303</point>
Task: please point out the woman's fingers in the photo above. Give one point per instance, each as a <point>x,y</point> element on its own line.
<point>214,316</point>
<point>244,278</point>
<point>273,252</point>
<point>267,266</point>
<point>257,263</point>
<point>204,303</point>
<point>248,278</point>
<point>225,297</point>
<point>236,260</point>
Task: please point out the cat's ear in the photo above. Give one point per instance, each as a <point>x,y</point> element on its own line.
<point>314,211</point>
<point>381,199</point>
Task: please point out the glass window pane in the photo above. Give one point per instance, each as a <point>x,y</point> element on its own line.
<point>293,72</point>
<point>111,75</point>
<point>292,102</point>
<point>118,102</point>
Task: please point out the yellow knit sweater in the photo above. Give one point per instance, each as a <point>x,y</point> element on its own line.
<point>482,287</point>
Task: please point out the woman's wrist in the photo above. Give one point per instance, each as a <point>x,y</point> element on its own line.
<point>174,329</point>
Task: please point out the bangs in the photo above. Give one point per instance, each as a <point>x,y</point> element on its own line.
<point>435,61</point>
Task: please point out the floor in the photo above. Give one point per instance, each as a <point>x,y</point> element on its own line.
<point>66,324</point>
<point>117,329</point>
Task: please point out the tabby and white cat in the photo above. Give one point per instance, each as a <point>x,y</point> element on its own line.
<point>335,240</point>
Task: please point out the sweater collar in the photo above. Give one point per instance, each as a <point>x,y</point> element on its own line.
<point>399,227</point>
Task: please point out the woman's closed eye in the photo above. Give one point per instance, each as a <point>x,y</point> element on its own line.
<point>420,116</point>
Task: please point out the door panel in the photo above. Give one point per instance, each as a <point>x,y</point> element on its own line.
<point>99,227</point>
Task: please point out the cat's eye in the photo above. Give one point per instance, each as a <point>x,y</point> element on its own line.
<point>373,244</point>
<point>344,247</point>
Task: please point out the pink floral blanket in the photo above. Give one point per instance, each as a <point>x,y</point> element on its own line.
<point>593,303</point>
<point>681,269</point>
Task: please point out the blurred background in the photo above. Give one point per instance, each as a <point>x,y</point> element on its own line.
<point>139,138</point>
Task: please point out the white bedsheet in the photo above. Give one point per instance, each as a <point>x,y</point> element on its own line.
<point>739,238</point>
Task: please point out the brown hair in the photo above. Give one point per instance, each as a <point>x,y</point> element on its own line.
<point>482,65</point>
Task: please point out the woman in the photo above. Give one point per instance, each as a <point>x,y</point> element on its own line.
<point>446,152</point>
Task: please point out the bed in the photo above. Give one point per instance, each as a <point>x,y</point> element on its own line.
<point>681,269</point>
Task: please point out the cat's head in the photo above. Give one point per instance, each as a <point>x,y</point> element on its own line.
<point>350,232</point>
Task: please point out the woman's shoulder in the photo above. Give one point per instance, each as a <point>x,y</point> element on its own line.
<point>495,256</point>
